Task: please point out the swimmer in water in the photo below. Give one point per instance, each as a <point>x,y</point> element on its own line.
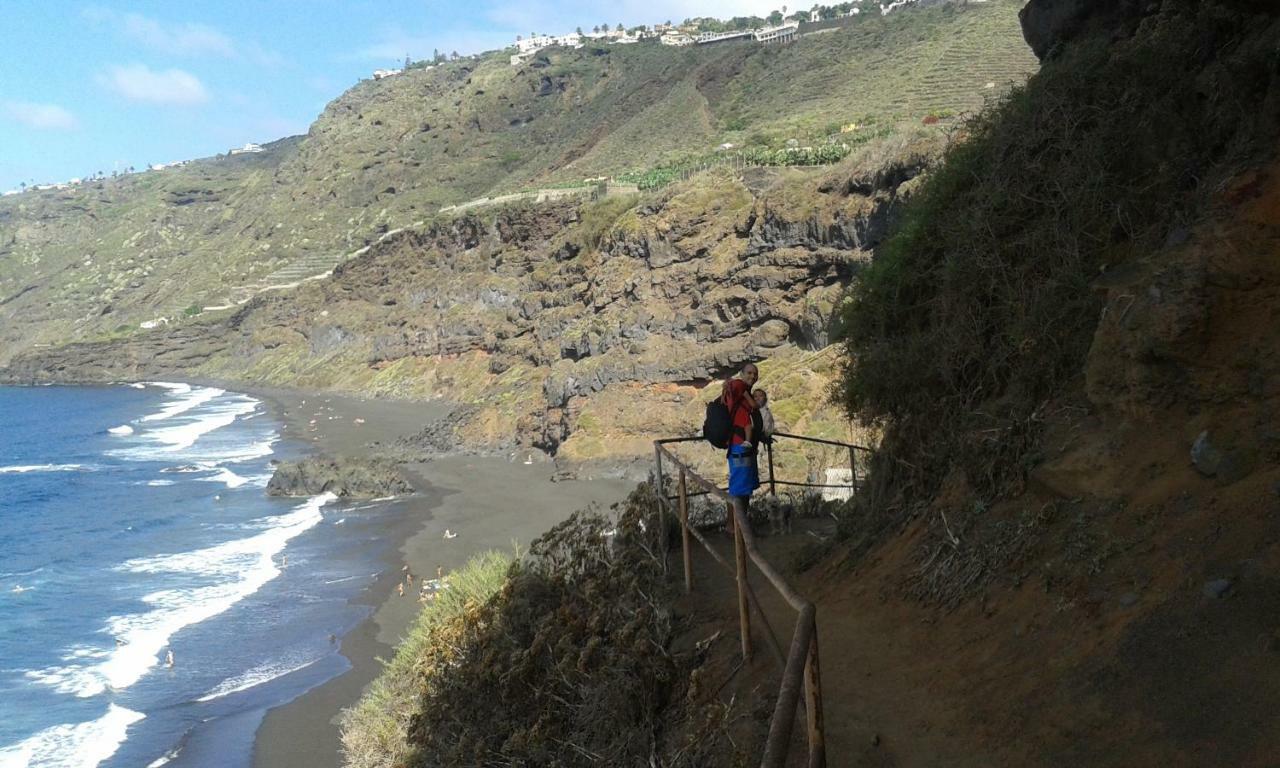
<point>168,659</point>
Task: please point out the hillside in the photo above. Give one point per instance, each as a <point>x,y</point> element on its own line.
<point>578,329</point>
<point>95,262</point>
<point>1067,552</point>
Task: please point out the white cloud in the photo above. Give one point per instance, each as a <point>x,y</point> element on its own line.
<point>182,38</point>
<point>45,117</point>
<point>138,82</point>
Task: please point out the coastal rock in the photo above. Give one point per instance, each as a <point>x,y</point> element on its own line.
<point>346,478</point>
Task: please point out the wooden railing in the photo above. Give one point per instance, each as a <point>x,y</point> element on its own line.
<point>800,663</point>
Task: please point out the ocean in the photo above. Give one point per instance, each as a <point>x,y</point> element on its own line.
<point>134,525</point>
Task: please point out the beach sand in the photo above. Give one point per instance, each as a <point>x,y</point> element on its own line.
<point>488,502</point>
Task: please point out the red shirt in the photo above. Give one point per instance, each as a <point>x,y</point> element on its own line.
<point>738,399</point>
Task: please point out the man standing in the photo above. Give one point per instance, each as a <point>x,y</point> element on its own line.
<point>744,476</point>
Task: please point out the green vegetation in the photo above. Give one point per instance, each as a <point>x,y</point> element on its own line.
<point>564,659</point>
<point>389,153</point>
<point>979,310</point>
<point>192,310</point>
<point>600,216</point>
<point>374,731</point>
<point>832,151</point>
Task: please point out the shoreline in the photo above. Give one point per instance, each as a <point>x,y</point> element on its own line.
<point>487,502</point>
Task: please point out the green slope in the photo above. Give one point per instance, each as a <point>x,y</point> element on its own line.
<point>103,258</point>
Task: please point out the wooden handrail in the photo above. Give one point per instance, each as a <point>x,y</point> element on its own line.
<point>822,440</point>
<point>801,668</point>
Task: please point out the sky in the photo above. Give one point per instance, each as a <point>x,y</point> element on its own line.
<point>88,87</point>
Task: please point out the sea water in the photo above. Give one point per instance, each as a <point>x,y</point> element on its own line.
<point>134,524</point>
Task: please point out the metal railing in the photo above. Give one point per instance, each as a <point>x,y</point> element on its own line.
<point>800,663</point>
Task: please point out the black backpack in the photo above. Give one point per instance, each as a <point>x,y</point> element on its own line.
<point>717,426</point>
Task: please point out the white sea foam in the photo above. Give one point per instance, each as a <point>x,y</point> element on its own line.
<point>226,476</point>
<point>166,758</point>
<point>78,745</point>
<point>157,483</point>
<point>184,399</point>
<point>202,411</point>
<point>255,677</point>
<point>24,468</point>
<point>217,416</point>
<point>239,568</point>
<point>123,429</point>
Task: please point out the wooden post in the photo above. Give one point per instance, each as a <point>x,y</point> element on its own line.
<point>773,486</point>
<point>813,704</point>
<point>740,558</point>
<point>853,470</point>
<point>684,534</point>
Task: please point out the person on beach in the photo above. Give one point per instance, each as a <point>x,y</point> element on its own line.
<point>168,659</point>
<point>744,476</point>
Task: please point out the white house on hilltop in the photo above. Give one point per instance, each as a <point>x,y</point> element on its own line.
<point>246,149</point>
<point>528,46</point>
<point>782,33</point>
<point>379,74</point>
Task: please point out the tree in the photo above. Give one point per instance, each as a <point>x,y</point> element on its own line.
<point>454,55</point>
<point>518,38</point>
<point>406,62</point>
<point>596,29</point>
<point>22,185</point>
<point>618,28</point>
<point>775,18</point>
<point>579,31</point>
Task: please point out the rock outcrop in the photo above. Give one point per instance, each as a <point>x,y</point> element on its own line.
<point>345,478</point>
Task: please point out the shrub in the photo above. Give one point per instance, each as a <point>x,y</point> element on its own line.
<point>598,217</point>
<point>978,308</point>
<point>375,730</point>
<point>567,665</point>
<point>192,310</point>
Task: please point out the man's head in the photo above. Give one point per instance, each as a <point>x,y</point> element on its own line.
<point>750,374</point>
<point>762,398</point>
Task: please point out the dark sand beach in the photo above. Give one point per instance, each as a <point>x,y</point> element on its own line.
<point>484,502</point>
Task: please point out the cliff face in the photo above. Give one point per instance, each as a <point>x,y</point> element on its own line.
<point>98,260</point>
<point>583,328</point>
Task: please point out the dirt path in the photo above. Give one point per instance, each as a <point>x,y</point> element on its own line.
<point>879,707</point>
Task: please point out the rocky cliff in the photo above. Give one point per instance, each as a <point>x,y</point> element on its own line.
<point>100,260</point>
<point>577,329</point>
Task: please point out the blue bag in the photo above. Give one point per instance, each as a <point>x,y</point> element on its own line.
<point>744,475</point>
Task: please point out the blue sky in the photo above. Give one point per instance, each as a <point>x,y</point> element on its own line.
<point>88,87</point>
